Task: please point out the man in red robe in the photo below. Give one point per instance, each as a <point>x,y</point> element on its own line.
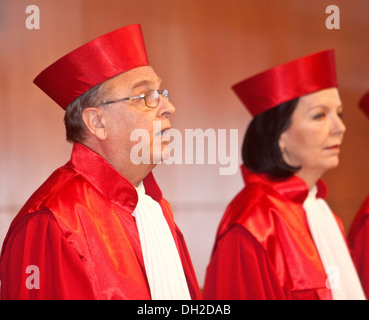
<point>83,234</point>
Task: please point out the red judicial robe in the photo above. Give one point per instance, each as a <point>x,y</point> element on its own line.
<point>358,240</point>
<point>78,230</point>
<point>263,247</point>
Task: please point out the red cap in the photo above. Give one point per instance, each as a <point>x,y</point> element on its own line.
<point>364,103</point>
<point>94,62</point>
<point>288,81</point>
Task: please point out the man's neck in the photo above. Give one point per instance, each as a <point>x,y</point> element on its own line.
<point>134,173</point>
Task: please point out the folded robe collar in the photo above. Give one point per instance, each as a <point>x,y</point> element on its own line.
<point>293,188</point>
<point>105,178</point>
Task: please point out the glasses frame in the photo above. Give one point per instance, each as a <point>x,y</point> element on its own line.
<point>164,93</point>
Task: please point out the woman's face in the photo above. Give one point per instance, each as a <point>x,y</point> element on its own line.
<point>314,138</point>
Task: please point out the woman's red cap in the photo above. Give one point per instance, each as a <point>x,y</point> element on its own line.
<point>288,81</point>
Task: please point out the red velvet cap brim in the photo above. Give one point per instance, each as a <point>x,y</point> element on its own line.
<point>288,81</point>
<point>96,61</point>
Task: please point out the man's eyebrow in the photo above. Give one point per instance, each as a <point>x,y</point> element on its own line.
<point>144,83</point>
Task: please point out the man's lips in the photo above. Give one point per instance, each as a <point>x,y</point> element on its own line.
<point>163,133</point>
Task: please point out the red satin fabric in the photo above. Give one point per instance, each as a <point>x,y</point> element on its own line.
<point>358,239</point>
<point>263,247</point>
<point>288,81</point>
<point>94,62</point>
<point>78,229</point>
<point>364,103</point>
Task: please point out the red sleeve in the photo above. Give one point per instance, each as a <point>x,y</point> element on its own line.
<point>240,269</point>
<point>359,245</point>
<point>39,263</point>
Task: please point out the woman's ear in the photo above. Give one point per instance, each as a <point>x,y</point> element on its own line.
<point>94,120</point>
<point>282,142</point>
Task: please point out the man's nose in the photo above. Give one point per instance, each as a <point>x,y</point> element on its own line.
<point>165,108</point>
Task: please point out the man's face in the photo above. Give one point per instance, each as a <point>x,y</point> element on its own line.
<point>122,118</point>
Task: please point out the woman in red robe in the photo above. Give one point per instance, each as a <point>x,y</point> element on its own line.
<point>359,232</point>
<point>278,239</point>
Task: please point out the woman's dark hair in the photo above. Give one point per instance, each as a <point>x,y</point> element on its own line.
<point>260,150</point>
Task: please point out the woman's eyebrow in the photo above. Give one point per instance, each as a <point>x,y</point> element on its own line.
<point>325,106</point>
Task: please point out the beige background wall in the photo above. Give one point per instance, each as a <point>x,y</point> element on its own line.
<point>199,48</point>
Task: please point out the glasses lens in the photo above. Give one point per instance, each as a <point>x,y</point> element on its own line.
<point>152,98</point>
<point>165,94</point>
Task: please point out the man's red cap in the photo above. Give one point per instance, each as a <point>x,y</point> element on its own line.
<point>94,62</point>
<point>364,103</point>
<point>288,81</point>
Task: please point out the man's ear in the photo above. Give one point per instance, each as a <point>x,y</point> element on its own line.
<point>94,120</point>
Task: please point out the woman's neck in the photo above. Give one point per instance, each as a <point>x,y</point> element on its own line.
<point>309,176</point>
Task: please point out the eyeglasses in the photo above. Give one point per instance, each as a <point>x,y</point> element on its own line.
<point>151,97</point>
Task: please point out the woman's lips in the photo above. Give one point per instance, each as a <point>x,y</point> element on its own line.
<point>335,147</point>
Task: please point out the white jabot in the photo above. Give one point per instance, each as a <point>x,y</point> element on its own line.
<point>342,277</point>
<point>162,262</point>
